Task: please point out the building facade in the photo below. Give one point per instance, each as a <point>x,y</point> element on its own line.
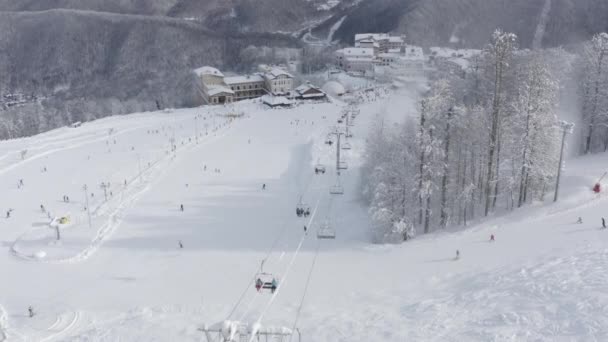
<point>218,89</point>
<point>246,87</point>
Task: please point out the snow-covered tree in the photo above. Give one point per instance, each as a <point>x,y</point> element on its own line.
<point>498,54</point>
<point>595,89</point>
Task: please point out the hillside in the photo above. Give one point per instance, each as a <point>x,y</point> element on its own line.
<point>126,278</point>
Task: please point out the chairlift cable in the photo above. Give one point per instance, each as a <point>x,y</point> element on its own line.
<point>286,273</point>
<point>268,254</point>
<point>308,278</point>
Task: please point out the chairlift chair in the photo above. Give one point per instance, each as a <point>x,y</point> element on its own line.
<point>325,231</point>
<point>342,165</point>
<point>266,281</point>
<point>319,168</point>
<point>302,210</point>
<point>336,190</point>
<point>346,146</point>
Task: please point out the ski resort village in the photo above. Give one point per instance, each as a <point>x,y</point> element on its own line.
<point>379,190</point>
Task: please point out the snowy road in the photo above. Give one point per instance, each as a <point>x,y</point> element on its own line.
<point>545,278</point>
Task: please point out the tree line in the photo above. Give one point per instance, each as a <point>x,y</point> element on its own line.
<point>483,141</point>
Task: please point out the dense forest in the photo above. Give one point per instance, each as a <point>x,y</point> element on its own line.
<point>486,142</point>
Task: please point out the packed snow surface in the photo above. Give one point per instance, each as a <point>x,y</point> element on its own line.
<point>124,277</point>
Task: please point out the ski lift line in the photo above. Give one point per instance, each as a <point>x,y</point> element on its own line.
<point>292,261</point>
<point>308,278</point>
<point>253,278</point>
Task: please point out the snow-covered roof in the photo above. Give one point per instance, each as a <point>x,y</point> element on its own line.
<point>243,79</point>
<point>218,89</point>
<point>374,36</point>
<point>302,89</point>
<point>276,72</point>
<point>208,70</point>
<point>394,39</point>
<point>357,52</point>
<point>276,100</point>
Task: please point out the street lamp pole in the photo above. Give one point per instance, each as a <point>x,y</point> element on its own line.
<point>565,127</point>
<point>86,201</point>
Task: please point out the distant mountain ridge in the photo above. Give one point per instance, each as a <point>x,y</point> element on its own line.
<point>143,51</point>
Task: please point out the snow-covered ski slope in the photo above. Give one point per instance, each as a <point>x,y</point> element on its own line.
<point>545,278</point>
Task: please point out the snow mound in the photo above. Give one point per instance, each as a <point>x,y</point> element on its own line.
<point>334,88</point>
<point>40,255</point>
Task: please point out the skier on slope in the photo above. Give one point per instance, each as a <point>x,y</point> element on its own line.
<point>42,208</point>
<point>603,223</point>
<point>264,186</point>
<point>181,207</point>
<point>305,230</point>
<point>181,245</point>
<point>457,254</point>
<point>492,238</point>
<point>580,220</point>
<point>30,311</point>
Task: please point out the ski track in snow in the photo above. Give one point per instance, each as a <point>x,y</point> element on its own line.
<point>542,25</point>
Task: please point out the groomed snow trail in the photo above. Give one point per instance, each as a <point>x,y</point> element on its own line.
<point>543,279</point>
